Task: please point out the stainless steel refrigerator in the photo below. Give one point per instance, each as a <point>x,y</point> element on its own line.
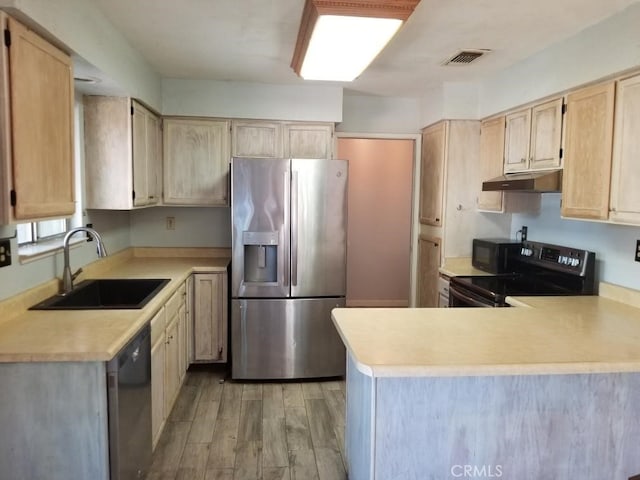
<point>289,224</point>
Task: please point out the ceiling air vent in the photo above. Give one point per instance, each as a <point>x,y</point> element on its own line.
<point>465,57</point>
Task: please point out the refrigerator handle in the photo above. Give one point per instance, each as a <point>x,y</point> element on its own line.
<point>294,228</point>
<point>287,187</point>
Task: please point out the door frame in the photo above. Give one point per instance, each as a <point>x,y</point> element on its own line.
<point>415,195</point>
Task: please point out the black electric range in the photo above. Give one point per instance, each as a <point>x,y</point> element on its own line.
<point>536,269</point>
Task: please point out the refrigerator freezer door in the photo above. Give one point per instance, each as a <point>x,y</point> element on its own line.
<point>260,196</point>
<point>292,338</point>
<point>318,228</point>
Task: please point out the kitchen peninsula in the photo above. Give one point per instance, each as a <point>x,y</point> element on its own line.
<point>551,391</point>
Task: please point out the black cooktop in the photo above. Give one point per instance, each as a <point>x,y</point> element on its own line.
<point>500,286</point>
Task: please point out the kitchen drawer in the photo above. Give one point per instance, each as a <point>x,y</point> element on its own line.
<point>158,323</point>
<point>176,300</point>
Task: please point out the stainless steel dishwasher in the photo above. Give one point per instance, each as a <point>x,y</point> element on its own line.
<point>129,396</point>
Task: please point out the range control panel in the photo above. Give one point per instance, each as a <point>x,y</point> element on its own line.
<point>567,259</point>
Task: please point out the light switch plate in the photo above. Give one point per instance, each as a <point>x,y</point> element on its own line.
<point>5,253</point>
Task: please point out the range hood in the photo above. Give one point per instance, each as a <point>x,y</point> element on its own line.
<point>534,182</point>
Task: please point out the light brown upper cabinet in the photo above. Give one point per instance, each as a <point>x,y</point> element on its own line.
<point>533,138</point>
<point>588,143</point>
<point>491,162</point>
<point>122,153</point>
<point>516,141</point>
<point>625,174</point>
<point>36,127</point>
<point>434,141</point>
<point>308,140</point>
<point>196,161</point>
<point>265,139</point>
<point>147,156</point>
<point>259,139</point>
<point>210,317</point>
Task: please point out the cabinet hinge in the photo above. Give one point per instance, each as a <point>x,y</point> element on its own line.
<point>7,37</point>
<point>12,196</point>
<point>564,108</point>
<point>133,194</point>
<point>561,152</point>
<point>131,109</point>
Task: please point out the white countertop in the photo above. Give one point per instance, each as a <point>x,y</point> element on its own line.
<point>556,335</point>
<point>90,335</point>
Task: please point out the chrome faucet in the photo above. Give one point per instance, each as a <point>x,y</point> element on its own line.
<point>67,276</point>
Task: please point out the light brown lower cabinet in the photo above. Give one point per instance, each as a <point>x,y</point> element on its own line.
<point>428,271</point>
<point>157,374</point>
<point>190,327</point>
<point>183,361</point>
<point>171,371</point>
<point>168,358</point>
<point>210,317</point>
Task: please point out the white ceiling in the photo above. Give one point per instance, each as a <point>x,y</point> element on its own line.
<point>253,40</point>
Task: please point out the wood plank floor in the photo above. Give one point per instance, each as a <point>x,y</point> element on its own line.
<point>224,430</point>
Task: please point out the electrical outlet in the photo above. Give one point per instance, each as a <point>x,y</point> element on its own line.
<point>637,257</point>
<point>524,233</point>
<point>5,253</point>
<point>171,223</point>
<point>89,237</point>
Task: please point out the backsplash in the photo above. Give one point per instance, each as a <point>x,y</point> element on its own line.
<point>193,227</point>
<point>614,244</point>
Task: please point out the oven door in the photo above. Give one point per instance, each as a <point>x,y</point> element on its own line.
<point>461,297</point>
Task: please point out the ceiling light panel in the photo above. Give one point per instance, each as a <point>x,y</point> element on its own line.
<point>337,40</point>
<point>341,47</point>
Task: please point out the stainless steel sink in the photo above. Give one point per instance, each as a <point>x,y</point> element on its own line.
<point>106,294</point>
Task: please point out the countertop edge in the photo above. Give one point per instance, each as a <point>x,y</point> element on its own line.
<point>400,371</point>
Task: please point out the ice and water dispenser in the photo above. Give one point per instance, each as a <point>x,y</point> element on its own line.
<point>260,257</point>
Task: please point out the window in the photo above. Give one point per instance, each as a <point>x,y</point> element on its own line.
<point>36,238</point>
<point>38,231</point>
